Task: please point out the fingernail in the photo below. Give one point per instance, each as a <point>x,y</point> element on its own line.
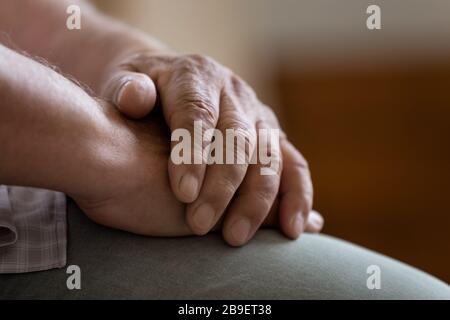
<point>240,230</point>
<point>297,223</point>
<point>203,217</point>
<point>315,220</point>
<point>189,187</point>
<point>121,91</point>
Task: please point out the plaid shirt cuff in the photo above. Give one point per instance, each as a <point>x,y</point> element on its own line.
<point>32,229</point>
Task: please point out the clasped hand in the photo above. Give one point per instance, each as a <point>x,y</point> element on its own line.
<point>237,198</point>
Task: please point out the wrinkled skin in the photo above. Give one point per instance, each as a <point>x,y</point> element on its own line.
<point>194,87</point>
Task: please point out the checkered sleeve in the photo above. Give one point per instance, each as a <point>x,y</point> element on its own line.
<point>32,229</point>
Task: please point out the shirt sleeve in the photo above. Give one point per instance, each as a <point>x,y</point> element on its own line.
<point>32,229</point>
<point>8,231</point>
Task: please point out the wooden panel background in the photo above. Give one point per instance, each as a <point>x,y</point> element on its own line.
<point>378,143</point>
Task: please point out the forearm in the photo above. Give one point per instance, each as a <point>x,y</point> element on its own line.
<point>40,29</point>
<point>49,128</point>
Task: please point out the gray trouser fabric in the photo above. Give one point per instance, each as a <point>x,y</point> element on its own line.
<point>120,265</point>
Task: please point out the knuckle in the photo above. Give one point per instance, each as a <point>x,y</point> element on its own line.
<point>269,117</point>
<point>242,89</point>
<point>307,195</point>
<point>227,185</point>
<point>301,163</point>
<point>249,136</point>
<point>268,111</point>
<point>233,120</point>
<point>197,107</point>
<point>200,65</point>
<point>298,161</point>
<point>200,60</point>
<point>202,68</point>
<point>244,136</point>
<point>305,178</point>
<point>182,72</point>
<point>202,109</point>
<point>266,192</point>
<point>244,132</point>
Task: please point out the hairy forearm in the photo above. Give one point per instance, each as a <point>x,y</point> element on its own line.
<point>33,26</point>
<point>53,135</point>
<point>39,27</point>
<point>49,127</point>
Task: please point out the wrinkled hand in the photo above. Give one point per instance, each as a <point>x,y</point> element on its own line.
<point>192,88</point>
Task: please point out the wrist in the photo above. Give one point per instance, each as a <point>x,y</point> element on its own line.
<point>98,149</point>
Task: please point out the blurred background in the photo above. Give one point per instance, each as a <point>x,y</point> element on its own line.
<point>369,109</point>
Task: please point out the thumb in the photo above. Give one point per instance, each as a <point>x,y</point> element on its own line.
<point>133,93</point>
